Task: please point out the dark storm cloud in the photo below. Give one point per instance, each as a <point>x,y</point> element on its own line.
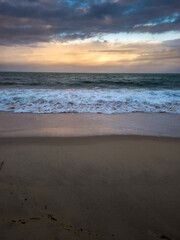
<point>30,21</point>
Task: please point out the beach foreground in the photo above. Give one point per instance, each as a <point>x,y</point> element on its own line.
<point>106,187</point>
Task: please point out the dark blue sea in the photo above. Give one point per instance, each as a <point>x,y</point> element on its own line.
<point>89,93</point>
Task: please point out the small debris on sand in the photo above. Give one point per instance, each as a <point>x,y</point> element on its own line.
<point>51,217</point>
<point>164,237</point>
<point>1,165</point>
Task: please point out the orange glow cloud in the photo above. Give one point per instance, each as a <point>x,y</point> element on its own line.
<point>88,54</point>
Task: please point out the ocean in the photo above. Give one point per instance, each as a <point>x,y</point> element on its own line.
<point>89,93</point>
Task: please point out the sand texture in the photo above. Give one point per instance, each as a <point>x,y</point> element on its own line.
<point>78,188</point>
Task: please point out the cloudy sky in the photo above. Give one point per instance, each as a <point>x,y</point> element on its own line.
<point>90,35</point>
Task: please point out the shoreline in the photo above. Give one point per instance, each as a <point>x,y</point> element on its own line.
<point>89,176</point>
<point>88,124</point>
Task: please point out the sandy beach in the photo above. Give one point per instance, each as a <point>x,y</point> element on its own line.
<point>85,124</point>
<point>89,120</point>
<point>123,187</point>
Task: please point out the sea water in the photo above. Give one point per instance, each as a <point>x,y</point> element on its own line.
<point>89,93</point>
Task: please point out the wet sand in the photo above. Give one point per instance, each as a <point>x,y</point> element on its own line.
<point>69,124</point>
<point>99,187</point>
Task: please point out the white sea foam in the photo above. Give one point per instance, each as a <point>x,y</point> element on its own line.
<point>89,101</point>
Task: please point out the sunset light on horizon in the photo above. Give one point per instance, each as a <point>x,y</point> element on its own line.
<point>90,36</point>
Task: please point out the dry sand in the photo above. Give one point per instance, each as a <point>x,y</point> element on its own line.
<point>106,187</point>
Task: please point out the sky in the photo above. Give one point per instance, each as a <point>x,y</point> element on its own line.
<point>90,35</point>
